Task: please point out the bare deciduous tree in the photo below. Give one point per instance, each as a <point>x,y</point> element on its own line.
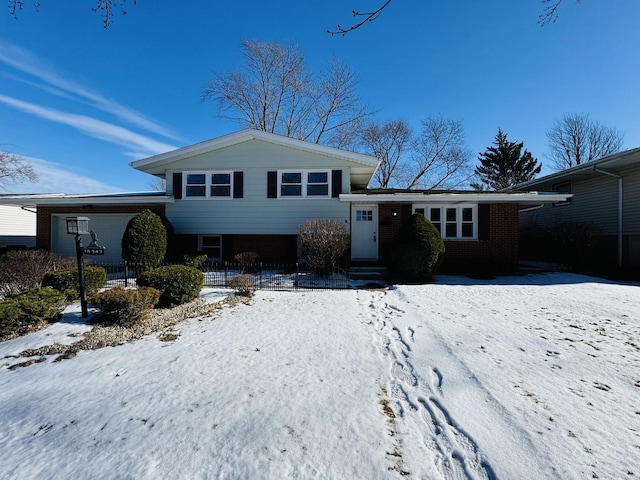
<point>388,142</point>
<point>440,157</point>
<point>276,92</point>
<point>550,11</point>
<point>364,16</point>
<point>576,139</point>
<point>15,169</point>
<point>105,7</point>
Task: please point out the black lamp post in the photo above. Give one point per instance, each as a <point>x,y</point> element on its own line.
<point>79,226</point>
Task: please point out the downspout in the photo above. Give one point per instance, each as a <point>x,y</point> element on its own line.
<point>619,177</point>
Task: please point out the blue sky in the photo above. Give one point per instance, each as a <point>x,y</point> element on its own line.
<point>81,102</point>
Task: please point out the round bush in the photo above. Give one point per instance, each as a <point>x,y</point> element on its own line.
<point>178,284</point>
<point>120,306</point>
<point>418,250</point>
<point>66,281</point>
<point>144,241</point>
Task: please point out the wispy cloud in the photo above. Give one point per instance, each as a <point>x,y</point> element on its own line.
<point>26,62</point>
<point>53,178</point>
<point>96,128</point>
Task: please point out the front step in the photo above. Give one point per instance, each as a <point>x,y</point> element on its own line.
<point>369,275</point>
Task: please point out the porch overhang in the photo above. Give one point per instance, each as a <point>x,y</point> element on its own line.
<point>520,198</point>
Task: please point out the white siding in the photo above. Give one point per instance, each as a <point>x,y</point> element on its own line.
<point>108,227</point>
<point>15,221</point>
<point>254,213</point>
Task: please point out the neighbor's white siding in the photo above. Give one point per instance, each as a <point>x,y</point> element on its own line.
<point>17,226</point>
<point>254,213</point>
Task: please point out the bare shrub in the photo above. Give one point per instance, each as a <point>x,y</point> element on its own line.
<point>247,261</point>
<point>243,285</point>
<point>23,270</point>
<point>322,242</point>
<point>125,307</point>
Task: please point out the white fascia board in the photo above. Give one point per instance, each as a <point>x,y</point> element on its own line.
<point>33,200</point>
<point>520,198</point>
<point>153,164</point>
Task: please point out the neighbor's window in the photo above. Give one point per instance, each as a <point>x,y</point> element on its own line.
<point>454,222</point>
<point>211,245</point>
<point>304,184</point>
<point>208,185</point>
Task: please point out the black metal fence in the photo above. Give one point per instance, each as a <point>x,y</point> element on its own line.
<point>265,276</point>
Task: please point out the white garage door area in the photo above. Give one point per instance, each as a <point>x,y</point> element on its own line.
<point>108,227</point>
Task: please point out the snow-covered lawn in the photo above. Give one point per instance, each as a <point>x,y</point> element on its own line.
<point>530,377</point>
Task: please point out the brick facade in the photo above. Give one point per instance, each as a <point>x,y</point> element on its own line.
<point>498,252</point>
<point>270,248</point>
<point>43,228</point>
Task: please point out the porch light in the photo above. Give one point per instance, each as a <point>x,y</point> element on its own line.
<point>77,225</point>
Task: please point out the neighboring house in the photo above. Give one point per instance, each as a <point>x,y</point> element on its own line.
<point>606,194</point>
<point>250,191</point>
<point>17,226</point>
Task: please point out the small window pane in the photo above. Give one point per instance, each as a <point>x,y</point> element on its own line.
<point>220,191</point>
<point>452,230</point>
<point>292,177</point>
<point>317,177</point>
<point>291,191</point>
<point>318,190</point>
<point>451,215</point>
<point>434,214</point>
<point>467,214</point>
<point>221,179</point>
<point>211,242</point>
<point>467,230</point>
<point>198,191</point>
<point>196,179</point>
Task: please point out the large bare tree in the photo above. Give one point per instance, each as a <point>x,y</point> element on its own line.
<point>440,158</point>
<point>388,142</point>
<point>14,169</point>
<point>576,139</point>
<point>275,91</point>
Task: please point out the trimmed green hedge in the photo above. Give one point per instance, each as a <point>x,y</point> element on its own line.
<point>144,242</point>
<point>178,284</point>
<point>66,281</point>
<point>120,306</point>
<point>30,311</point>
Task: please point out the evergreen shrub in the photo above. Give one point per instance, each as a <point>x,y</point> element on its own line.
<point>178,284</point>
<point>30,311</point>
<point>66,281</point>
<point>125,307</point>
<point>144,242</point>
<point>418,250</point>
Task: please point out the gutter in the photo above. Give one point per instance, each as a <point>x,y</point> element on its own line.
<point>620,225</point>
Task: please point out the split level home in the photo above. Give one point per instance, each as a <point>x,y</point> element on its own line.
<point>249,191</point>
<point>606,196</point>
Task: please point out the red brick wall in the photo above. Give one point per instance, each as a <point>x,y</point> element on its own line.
<point>270,248</point>
<point>43,228</point>
<point>500,251</point>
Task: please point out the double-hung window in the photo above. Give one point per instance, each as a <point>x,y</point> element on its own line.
<point>304,184</point>
<point>208,185</point>
<point>454,222</point>
<point>211,245</point>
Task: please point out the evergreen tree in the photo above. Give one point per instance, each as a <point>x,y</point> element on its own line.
<point>503,165</point>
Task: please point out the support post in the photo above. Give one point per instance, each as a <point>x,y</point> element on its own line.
<point>81,282</point>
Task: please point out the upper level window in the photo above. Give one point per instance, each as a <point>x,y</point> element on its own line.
<point>304,184</point>
<point>454,222</point>
<point>208,185</point>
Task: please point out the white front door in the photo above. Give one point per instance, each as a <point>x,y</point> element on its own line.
<point>364,232</point>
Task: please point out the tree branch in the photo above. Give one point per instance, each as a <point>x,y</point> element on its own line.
<point>368,17</point>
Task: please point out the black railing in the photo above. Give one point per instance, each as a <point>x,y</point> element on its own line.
<point>265,276</point>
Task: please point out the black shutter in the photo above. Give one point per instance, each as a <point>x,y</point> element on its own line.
<point>238,184</point>
<point>484,221</point>
<point>177,185</point>
<point>272,184</point>
<point>336,183</point>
